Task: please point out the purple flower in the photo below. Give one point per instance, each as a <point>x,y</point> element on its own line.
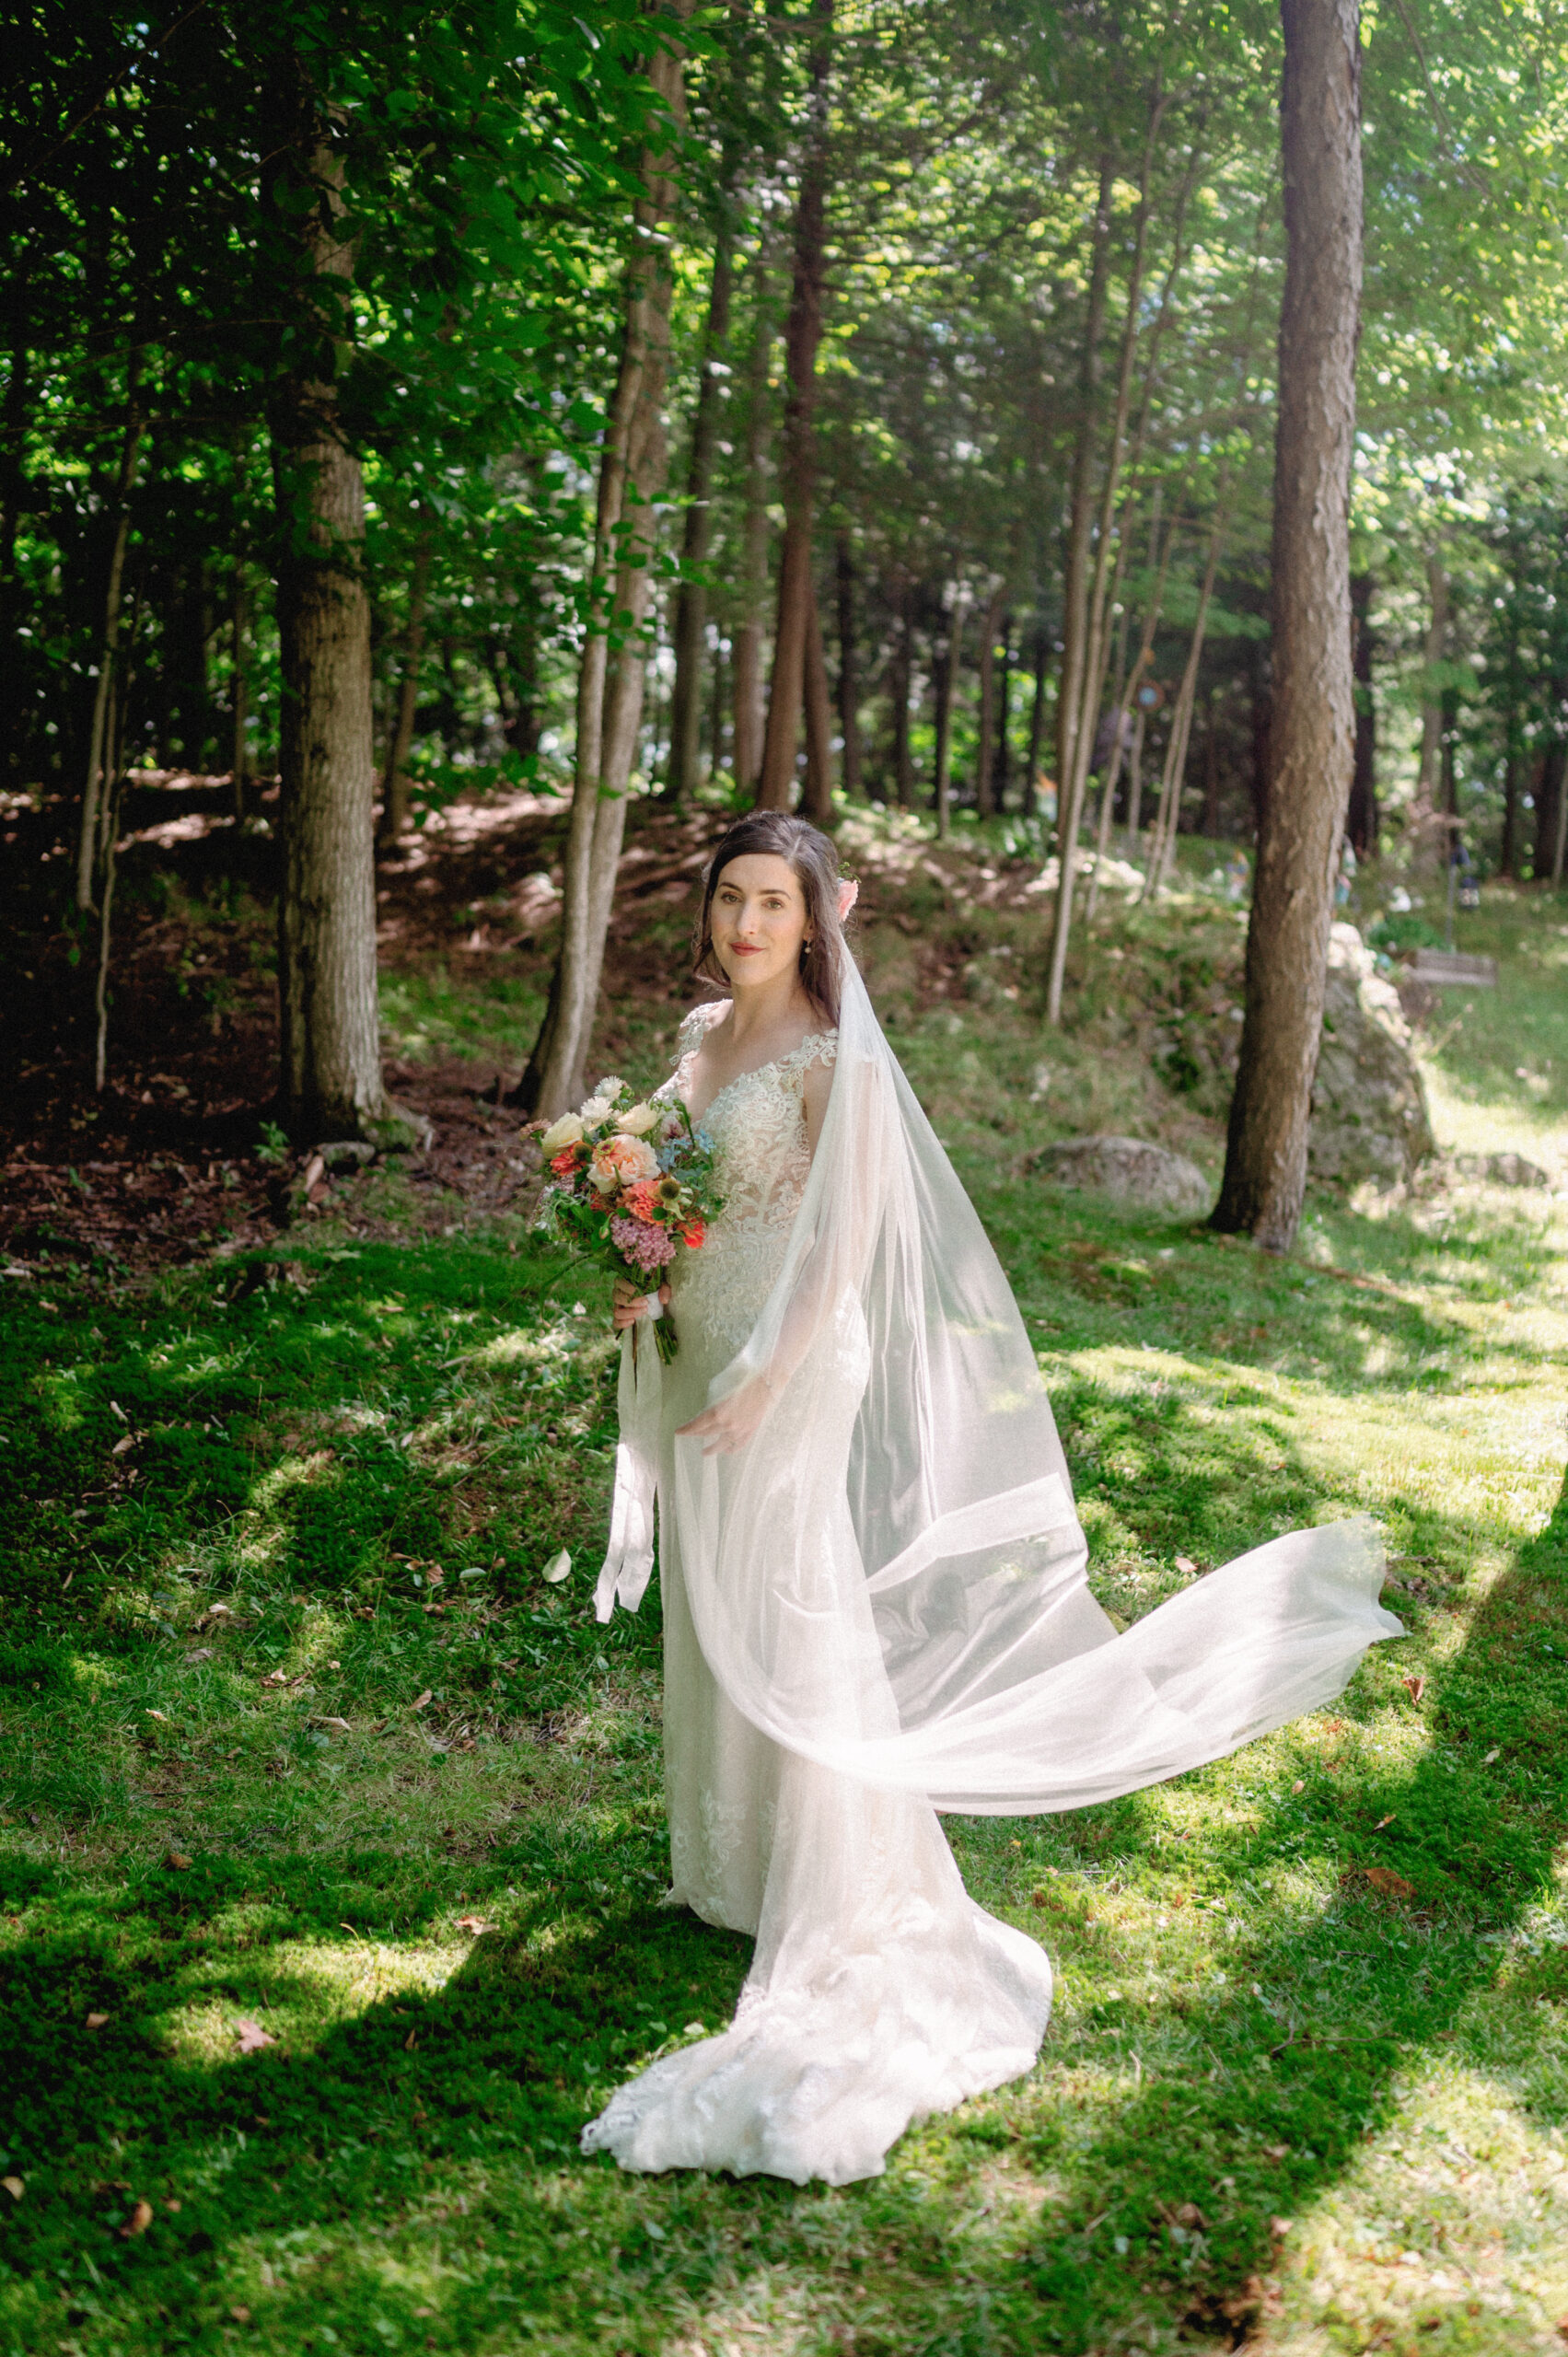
<point>645,1246</point>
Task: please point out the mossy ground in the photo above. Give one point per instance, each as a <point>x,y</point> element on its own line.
<point>1306,2082</point>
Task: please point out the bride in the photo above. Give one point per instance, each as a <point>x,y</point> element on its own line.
<point>873,1576</point>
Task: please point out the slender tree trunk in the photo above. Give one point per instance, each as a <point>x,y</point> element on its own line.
<point>986,756</point>
<point>330,1035</point>
<point>1424,828</point>
<point>93,783</point>
<point>239,692</point>
<point>803,333</point>
<point>818,801</point>
<point>609,690</point>
<point>395,810</point>
<point>902,669</point>
<point>1080,520</point>
<point>1112,769</point>
<point>1560,847</point>
<point>1037,722</point>
<point>1135,781</point>
<point>1507,863</point>
<point>1362,823</point>
<point>691,599</point>
<point>1548,789</point>
<point>1313,732</point>
<point>1001,778</point>
<point>1167,821</point>
<point>849,684</point>
<point>946,678</point>
<point>748,637</point>
<point>716,708</point>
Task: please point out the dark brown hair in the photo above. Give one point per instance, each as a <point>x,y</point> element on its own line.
<point>814,863</point>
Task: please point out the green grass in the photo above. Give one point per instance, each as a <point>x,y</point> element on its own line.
<point>1279,2098</point>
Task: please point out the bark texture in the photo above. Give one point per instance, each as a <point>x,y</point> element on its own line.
<point>691,599</point>
<point>633,467</point>
<point>330,1037</point>
<point>748,637</point>
<point>803,335</point>
<point>1362,823</point>
<point>1312,734</point>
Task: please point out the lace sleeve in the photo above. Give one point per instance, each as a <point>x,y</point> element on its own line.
<point>696,1025</point>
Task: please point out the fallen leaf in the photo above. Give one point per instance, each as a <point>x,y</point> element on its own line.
<point>141,2218</point>
<point>1383,1821</point>
<point>410,2041</point>
<point>241,2315</point>
<point>1395,1886</point>
<point>252,2037</point>
<point>97,2021</point>
<point>1495,1753</point>
<point>435,1575</point>
<point>1185,1563</point>
<point>557,1569</point>
<point>475,1924</point>
<point>14,2186</point>
<point>203,1652</point>
<point>1280,2228</point>
<point>173,2206</point>
<point>159,1715</point>
<point>178,1858</point>
<point>1415,1688</point>
<point>126,1440</point>
<point>423,1700</point>
<point>1277,2152</point>
<point>1299,1786</point>
<point>334,1722</point>
<point>315,1169</point>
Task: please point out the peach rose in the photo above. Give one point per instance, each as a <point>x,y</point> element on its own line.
<point>620,1162</point>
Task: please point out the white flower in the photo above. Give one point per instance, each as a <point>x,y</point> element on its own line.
<point>595,1110</point>
<point>611,1088</point>
<point>639,1120</point>
<point>563,1132</point>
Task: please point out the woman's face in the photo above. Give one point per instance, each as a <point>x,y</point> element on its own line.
<point>758,918</point>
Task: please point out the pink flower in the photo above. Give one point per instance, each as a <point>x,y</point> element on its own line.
<point>642,1200</point>
<point>620,1162</point>
<point>645,1246</point>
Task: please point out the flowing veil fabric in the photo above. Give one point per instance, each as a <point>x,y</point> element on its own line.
<point>919,1619</point>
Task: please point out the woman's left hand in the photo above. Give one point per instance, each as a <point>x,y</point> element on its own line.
<point>730,1426</point>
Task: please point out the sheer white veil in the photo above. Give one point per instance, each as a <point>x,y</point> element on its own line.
<point>889,1578</point>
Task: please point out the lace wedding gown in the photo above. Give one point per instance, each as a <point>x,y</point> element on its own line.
<point>879,1992</point>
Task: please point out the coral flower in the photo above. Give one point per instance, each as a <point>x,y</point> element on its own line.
<point>564,1163</point>
<point>620,1162</point>
<point>693,1236</point>
<point>643,1200</point>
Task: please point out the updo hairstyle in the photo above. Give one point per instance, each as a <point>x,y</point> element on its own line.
<point>814,862</point>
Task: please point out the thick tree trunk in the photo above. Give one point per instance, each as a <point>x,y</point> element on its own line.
<point>1313,730</point>
<point>610,692</point>
<point>330,1035</point>
<point>691,599</point>
<point>395,810</point>
<point>776,789</point>
<point>849,683</point>
<point>747,648</point>
<point>1361,824</point>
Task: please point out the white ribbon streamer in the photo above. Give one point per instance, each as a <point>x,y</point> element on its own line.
<point>640,1404</point>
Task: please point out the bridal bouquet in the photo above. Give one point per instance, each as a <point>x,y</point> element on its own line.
<point>630,1180</point>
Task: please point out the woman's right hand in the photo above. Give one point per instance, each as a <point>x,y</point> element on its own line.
<point>631,1305</point>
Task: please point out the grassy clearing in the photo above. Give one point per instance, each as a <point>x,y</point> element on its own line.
<point>1307,2079</point>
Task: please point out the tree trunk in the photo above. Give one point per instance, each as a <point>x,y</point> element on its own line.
<point>1080,518</point>
<point>1424,828</point>
<point>776,789</point>
<point>747,638</point>
<point>1548,792</point>
<point>395,811</point>
<point>609,693</point>
<point>1037,722</point>
<point>902,680</point>
<point>985,758</point>
<point>1168,820</point>
<point>330,1035</point>
<point>93,785</point>
<point>239,687</point>
<point>691,598</point>
<point>1135,781</point>
<point>1313,730</point>
<point>1361,824</point>
<point>999,767</point>
<point>818,802</point>
<point>945,665</point>
<point>849,685</point>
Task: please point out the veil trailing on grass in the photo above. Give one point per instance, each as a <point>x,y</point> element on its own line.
<point>925,1625</point>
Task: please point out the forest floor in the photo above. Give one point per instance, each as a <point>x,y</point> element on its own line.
<point>330,1829</point>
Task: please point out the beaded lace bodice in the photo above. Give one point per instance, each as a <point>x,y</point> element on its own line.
<point>761,1162</point>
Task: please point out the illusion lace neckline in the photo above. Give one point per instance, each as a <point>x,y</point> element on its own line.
<point>805,1051</point>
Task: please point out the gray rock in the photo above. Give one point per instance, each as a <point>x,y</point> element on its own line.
<point>341,1152</point>
<point>1369,1112</point>
<point>1502,1170</point>
<point>1129,1170</point>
